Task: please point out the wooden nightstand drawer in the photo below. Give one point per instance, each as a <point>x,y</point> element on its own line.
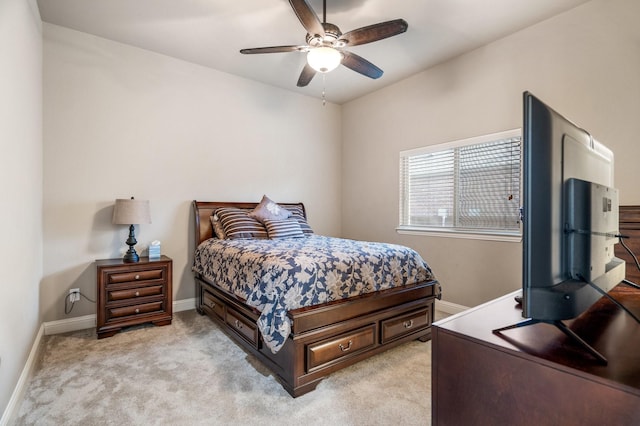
<point>402,325</point>
<point>134,293</point>
<point>153,274</point>
<point>132,310</point>
<point>329,351</point>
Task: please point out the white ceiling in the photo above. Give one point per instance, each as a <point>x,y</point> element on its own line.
<point>211,33</point>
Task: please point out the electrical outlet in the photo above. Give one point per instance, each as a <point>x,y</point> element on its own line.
<point>74,295</point>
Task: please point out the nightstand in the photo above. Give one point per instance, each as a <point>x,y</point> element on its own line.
<point>133,293</point>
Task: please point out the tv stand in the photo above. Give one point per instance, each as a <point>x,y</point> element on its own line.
<point>561,326</point>
<point>538,375</point>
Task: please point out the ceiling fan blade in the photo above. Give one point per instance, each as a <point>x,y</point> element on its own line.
<point>375,32</point>
<point>360,65</point>
<point>306,75</point>
<point>307,17</point>
<point>274,49</point>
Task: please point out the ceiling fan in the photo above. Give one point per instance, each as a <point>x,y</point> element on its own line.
<point>326,44</point>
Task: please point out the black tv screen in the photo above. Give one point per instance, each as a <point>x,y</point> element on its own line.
<point>570,216</point>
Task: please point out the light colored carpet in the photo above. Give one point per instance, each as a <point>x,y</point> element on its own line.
<point>190,373</point>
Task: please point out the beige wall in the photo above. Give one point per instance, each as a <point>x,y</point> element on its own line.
<point>121,121</point>
<point>21,183</point>
<point>585,63</point>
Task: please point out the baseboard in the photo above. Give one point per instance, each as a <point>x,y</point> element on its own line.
<point>18,392</point>
<point>89,321</point>
<point>69,324</point>
<point>184,305</point>
<point>449,308</point>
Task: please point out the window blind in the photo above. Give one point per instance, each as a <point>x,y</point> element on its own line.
<point>466,186</point>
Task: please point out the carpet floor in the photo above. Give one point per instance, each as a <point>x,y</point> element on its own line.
<point>191,373</point>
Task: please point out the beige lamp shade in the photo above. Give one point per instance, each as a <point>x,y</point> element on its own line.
<point>131,212</point>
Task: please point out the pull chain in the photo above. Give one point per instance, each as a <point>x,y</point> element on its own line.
<point>324,100</point>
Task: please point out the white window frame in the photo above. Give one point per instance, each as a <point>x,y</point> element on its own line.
<point>459,232</point>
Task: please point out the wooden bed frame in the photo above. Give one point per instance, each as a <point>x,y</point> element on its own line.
<point>324,338</point>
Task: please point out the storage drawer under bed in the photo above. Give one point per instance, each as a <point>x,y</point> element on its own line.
<point>333,349</point>
<point>213,304</point>
<point>243,326</point>
<point>401,325</point>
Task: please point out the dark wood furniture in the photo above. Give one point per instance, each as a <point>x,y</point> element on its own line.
<point>630,226</point>
<point>324,338</point>
<point>133,293</point>
<point>535,375</point>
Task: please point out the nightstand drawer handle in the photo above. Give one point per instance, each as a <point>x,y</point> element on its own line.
<point>238,324</point>
<point>137,293</point>
<point>137,277</point>
<point>137,311</point>
<point>408,324</point>
<point>212,305</point>
<point>343,348</point>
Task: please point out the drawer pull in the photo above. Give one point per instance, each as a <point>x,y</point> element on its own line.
<point>408,324</point>
<point>137,311</point>
<point>137,293</point>
<point>212,305</point>
<point>343,348</point>
<point>137,277</point>
<point>238,324</point>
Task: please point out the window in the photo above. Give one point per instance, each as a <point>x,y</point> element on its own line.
<point>469,187</point>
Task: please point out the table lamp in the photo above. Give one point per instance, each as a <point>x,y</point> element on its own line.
<point>131,212</point>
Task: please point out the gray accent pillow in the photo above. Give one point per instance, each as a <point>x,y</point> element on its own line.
<point>267,209</point>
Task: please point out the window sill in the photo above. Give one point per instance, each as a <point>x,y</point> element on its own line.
<point>445,233</point>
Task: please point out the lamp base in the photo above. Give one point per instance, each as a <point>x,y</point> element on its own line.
<point>131,256</point>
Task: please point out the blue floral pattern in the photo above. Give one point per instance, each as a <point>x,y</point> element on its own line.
<point>276,276</point>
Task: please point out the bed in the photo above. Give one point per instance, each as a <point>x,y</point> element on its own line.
<point>312,331</point>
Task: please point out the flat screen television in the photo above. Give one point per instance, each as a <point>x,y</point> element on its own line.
<point>570,219</point>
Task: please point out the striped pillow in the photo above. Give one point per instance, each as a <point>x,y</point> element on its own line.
<point>236,224</point>
<point>297,213</point>
<point>285,228</point>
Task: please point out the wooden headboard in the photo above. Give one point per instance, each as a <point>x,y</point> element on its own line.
<point>203,210</point>
<point>630,226</point>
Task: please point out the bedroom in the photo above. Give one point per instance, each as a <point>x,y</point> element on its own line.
<point>120,121</point>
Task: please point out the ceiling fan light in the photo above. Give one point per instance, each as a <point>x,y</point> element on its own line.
<point>324,59</point>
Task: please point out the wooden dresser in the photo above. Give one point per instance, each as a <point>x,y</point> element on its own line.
<point>133,293</point>
<point>534,375</point>
<point>630,226</point>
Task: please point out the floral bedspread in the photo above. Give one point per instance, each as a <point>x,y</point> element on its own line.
<point>279,275</point>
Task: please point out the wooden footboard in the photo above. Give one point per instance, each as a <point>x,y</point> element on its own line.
<point>326,337</point>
